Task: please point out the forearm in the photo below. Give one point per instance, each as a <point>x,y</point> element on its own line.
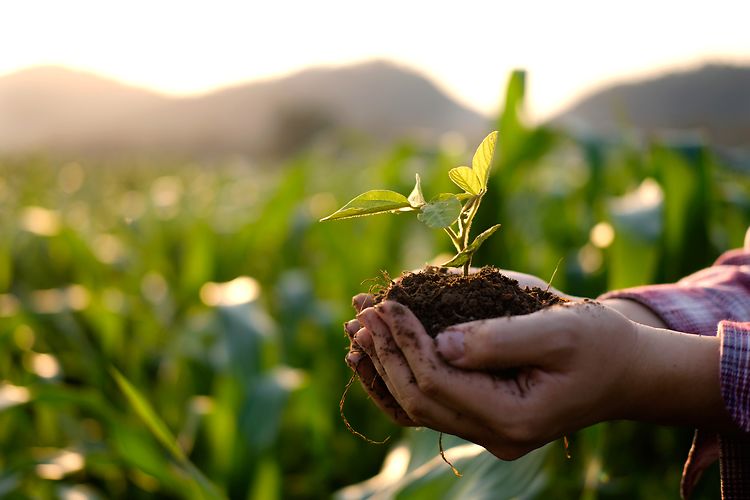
<point>676,381</point>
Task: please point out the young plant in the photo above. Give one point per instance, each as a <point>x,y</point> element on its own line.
<point>453,213</point>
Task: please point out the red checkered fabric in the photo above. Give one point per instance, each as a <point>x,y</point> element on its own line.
<point>714,301</point>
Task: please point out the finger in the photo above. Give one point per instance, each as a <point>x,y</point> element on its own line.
<point>362,301</point>
<point>494,344</point>
<point>370,320</point>
<point>364,340</point>
<point>459,389</point>
<point>419,406</point>
<point>376,389</point>
<point>352,327</point>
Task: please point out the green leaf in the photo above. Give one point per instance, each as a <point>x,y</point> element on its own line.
<point>482,160</point>
<point>441,211</point>
<point>416,198</point>
<point>458,260</point>
<point>467,253</point>
<point>370,203</point>
<point>147,414</point>
<point>427,476</point>
<point>483,236</point>
<point>161,432</point>
<point>466,179</point>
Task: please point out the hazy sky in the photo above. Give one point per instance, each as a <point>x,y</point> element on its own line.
<point>468,47</point>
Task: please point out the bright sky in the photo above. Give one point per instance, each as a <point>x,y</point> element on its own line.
<point>467,47</point>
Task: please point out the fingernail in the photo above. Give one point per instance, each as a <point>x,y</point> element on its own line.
<point>351,326</point>
<point>365,315</point>
<point>353,359</point>
<point>364,339</point>
<point>450,344</point>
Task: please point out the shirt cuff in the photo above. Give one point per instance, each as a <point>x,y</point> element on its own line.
<point>735,371</point>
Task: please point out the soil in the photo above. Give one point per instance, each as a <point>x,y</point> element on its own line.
<point>440,298</point>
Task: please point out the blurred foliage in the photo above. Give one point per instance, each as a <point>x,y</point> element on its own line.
<point>174,330</point>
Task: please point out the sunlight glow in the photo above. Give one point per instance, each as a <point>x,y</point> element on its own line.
<point>44,365</point>
<point>55,300</point>
<point>193,47</point>
<point>9,305</point>
<point>240,290</point>
<point>40,221</point>
<point>60,464</point>
<point>602,235</point>
<point>648,195</point>
<point>12,395</point>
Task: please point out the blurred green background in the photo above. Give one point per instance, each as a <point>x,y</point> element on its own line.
<point>174,330</point>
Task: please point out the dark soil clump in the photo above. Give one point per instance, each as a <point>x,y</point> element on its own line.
<point>440,298</point>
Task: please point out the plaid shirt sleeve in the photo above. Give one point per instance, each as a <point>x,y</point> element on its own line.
<point>714,301</point>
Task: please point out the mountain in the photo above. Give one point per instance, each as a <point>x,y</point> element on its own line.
<point>54,108</point>
<point>713,100</point>
<point>50,105</point>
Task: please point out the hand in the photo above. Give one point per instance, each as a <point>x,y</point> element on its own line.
<point>545,374</point>
<point>370,371</point>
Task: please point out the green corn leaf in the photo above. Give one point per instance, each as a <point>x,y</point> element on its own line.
<point>466,179</point>
<point>482,160</point>
<point>370,203</point>
<point>147,414</point>
<point>441,211</point>
<point>154,423</point>
<point>416,198</point>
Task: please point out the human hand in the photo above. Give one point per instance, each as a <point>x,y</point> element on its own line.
<point>370,371</point>
<point>543,375</point>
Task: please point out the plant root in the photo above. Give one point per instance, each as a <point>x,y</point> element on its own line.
<point>346,421</point>
<point>442,455</point>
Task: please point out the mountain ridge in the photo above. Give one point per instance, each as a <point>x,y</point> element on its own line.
<point>59,109</point>
<point>712,101</point>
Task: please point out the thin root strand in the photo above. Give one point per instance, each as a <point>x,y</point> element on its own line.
<point>445,459</point>
<point>346,421</point>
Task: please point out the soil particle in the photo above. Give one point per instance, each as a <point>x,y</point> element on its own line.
<point>439,298</point>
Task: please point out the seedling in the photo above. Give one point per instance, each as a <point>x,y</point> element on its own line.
<point>453,213</point>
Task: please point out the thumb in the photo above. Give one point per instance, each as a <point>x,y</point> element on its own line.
<point>506,342</point>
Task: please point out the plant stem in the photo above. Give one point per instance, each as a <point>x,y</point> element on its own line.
<point>455,239</point>
<point>464,227</point>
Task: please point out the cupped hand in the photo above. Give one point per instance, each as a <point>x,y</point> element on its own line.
<point>508,384</point>
<point>513,384</point>
<point>370,371</point>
